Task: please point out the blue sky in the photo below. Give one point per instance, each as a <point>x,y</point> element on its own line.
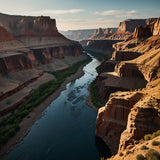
<point>84,14</point>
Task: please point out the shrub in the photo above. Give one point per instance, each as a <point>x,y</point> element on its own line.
<point>153,135</point>
<point>155,143</point>
<point>128,152</point>
<point>144,147</point>
<point>9,124</point>
<point>120,154</point>
<point>140,157</point>
<point>136,142</point>
<point>152,155</point>
<point>147,137</point>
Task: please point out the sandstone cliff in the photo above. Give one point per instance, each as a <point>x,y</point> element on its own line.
<point>103,34</point>
<point>127,27</point>
<point>128,116</point>
<point>36,39</point>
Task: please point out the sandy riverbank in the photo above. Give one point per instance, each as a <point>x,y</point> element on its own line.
<point>36,114</point>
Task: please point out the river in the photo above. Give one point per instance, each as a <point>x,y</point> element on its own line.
<point>66,130</point>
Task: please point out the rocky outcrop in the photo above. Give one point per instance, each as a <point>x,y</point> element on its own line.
<point>127,27</point>
<point>124,56</point>
<point>130,24</point>
<point>29,26</point>
<point>112,119</point>
<point>101,34</point>
<point>156,30</point>
<point>14,62</point>
<point>108,66</point>
<point>141,121</point>
<point>104,46</point>
<point>120,123</point>
<point>144,66</point>
<point>35,42</point>
<point>5,35</point>
<point>97,34</point>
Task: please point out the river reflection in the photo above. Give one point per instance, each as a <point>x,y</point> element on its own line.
<point>67,128</point>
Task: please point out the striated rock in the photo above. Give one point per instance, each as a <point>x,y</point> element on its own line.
<point>97,34</point>
<point>101,34</point>
<point>156,30</point>
<point>38,42</point>
<point>130,24</point>
<point>104,46</point>
<point>5,35</point>
<point>124,55</point>
<point>14,62</point>
<point>142,119</point>
<point>144,66</point>
<point>120,123</point>
<point>110,82</point>
<point>127,27</point>
<point>108,66</point>
<point>29,26</point>
<point>112,119</point>
<point>143,31</point>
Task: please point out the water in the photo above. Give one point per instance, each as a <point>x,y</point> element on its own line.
<point>66,131</point>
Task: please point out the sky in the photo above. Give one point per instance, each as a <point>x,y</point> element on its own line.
<point>84,14</point>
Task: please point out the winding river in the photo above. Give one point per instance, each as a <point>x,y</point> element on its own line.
<point>66,130</point>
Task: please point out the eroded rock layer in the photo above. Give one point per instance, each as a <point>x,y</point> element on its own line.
<point>128,116</point>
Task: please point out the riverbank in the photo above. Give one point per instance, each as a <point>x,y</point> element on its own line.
<point>27,122</point>
<point>89,102</point>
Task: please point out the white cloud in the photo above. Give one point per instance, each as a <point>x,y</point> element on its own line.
<point>73,24</point>
<point>56,12</point>
<point>117,13</point>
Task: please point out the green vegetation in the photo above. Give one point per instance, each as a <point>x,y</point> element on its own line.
<point>140,157</point>
<point>121,154</point>
<point>128,152</point>
<point>95,97</point>
<point>151,136</point>
<point>152,155</point>
<point>98,69</point>
<point>144,147</point>
<point>9,125</point>
<point>99,55</point>
<point>155,143</point>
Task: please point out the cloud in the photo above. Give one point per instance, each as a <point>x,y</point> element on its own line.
<point>117,13</point>
<point>48,12</point>
<point>73,24</point>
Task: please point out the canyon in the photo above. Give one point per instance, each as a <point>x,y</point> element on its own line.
<point>130,80</point>
<point>30,48</point>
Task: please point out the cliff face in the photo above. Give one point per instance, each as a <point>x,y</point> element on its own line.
<point>128,116</point>
<point>29,26</point>
<point>101,34</point>
<point>36,39</point>
<point>13,63</point>
<point>130,24</point>
<point>127,27</point>
<point>112,119</point>
<point>5,35</point>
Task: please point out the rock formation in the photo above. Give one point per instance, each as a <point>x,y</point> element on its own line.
<point>128,116</point>
<point>127,27</point>
<point>36,39</point>
<point>101,34</point>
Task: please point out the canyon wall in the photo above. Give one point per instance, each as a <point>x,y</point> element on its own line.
<point>31,41</point>
<point>128,116</point>
<point>127,27</point>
